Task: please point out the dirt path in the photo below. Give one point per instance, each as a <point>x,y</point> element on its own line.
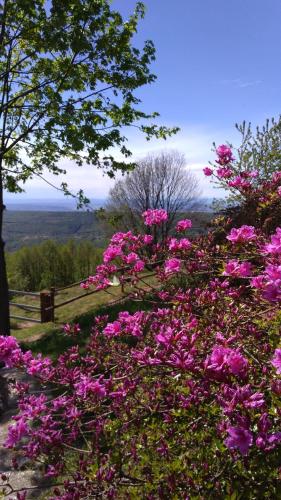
<point>25,477</point>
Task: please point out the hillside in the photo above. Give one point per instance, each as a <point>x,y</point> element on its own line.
<point>22,228</point>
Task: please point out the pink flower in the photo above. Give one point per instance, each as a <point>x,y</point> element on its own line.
<point>258,281</point>
<point>276,176</point>
<point>224,154</point>
<point>39,366</point>
<point>10,352</point>
<point>239,182</point>
<point>112,329</point>
<point>139,266</point>
<point>223,150</point>
<point>229,360</point>
<point>236,362</point>
<point>16,432</point>
<point>276,361</point>
<point>85,285</point>
<point>242,234</point>
<point>147,239</point>
<point>207,171</point>
<point>235,268</point>
<point>154,216</point>
<point>274,247</point>
<point>182,244</point>
<point>224,173</point>
<point>172,265</point>
<point>184,224</point>
<point>131,258</point>
<point>119,238</point>
<point>111,253</point>
<point>239,438</point>
<point>71,329</point>
<point>269,283</point>
<point>253,174</point>
<point>87,386</point>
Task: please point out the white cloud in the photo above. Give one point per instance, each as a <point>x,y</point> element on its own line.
<point>241,83</point>
<point>194,142</point>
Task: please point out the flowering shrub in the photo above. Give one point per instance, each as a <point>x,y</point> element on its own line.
<point>258,197</point>
<point>178,401</point>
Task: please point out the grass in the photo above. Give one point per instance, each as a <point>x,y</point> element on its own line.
<point>48,338</point>
<point>25,329</point>
<point>54,342</point>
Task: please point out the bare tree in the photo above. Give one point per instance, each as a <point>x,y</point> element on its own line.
<point>159,181</point>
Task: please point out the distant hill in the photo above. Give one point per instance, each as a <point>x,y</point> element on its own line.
<point>28,228</point>
<point>49,205</point>
<point>24,228</point>
<point>69,204</point>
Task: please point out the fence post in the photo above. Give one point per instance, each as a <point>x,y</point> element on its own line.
<point>122,282</point>
<point>47,306</point>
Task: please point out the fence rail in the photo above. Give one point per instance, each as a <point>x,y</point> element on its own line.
<point>47,299</point>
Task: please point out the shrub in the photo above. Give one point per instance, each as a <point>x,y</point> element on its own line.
<point>179,401</point>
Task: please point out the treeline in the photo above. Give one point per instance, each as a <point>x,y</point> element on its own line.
<point>51,264</point>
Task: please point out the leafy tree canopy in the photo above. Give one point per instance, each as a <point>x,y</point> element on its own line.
<point>69,73</point>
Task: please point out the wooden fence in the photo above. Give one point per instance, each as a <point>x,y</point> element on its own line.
<point>46,300</point>
<point>44,307</point>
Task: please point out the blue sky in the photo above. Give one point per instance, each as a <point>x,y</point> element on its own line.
<point>217,62</point>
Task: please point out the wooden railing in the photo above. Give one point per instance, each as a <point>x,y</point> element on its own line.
<point>44,308</point>
<point>47,305</point>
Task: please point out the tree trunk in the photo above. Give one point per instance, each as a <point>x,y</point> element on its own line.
<point>4,289</point>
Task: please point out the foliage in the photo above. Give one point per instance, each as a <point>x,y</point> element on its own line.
<point>178,401</point>
<point>258,157</point>
<point>69,76</point>
<point>260,150</point>
<point>259,199</point>
<point>51,264</point>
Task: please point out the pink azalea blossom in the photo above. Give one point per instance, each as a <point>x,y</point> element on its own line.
<point>223,150</point>
<point>131,258</point>
<point>112,329</point>
<point>274,247</point>
<point>207,171</point>
<point>239,182</point>
<point>237,269</point>
<point>87,386</point>
<point>239,438</point>
<point>276,361</point>
<point>119,238</point>
<point>172,265</point>
<point>10,352</point>
<point>226,359</point>
<point>147,239</point>
<point>139,266</point>
<point>224,172</point>
<point>236,362</point>
<point>184,224</point>
<point>242,234</point>
<point>111,253</point>
<point>39,365</point>
<point>258,281</point>
<point>224,153</point>
<point>182,244</point>
<point>276,176</point>
<point>16,432</point>
<point>253,174</point>
<point>154,216</point>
